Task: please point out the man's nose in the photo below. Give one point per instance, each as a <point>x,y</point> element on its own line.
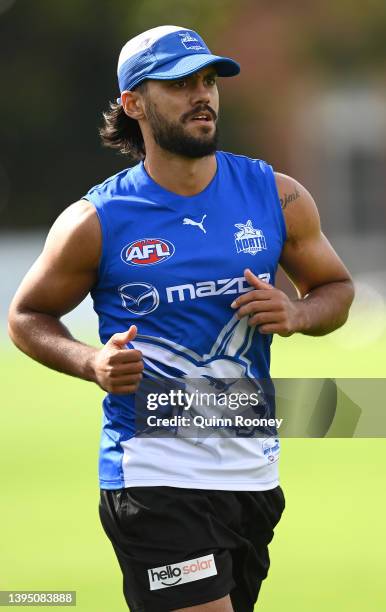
<point>201,93</point>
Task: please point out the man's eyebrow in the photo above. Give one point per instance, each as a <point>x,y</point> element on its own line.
<point>211,74</point>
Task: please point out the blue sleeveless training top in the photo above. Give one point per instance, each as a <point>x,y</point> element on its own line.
<point>172,265</point>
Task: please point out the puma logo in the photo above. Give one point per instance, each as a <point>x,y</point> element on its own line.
<point>199,224</point>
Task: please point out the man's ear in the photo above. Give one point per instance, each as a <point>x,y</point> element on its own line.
<point>132,105</point>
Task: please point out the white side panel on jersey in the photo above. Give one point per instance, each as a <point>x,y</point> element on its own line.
<point>228,464</point>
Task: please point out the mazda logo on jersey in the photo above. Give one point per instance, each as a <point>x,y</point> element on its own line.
<point>143,298</point>
<point>139,298</point>
<point>147,252</point>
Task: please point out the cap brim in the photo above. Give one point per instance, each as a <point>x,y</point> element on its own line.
<point>225,67</point>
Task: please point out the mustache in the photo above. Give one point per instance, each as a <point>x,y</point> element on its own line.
<point>199,109</point>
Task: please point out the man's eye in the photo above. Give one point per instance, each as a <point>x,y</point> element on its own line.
<point>179,84</point>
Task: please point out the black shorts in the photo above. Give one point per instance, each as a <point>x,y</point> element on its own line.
<point>184,547</point>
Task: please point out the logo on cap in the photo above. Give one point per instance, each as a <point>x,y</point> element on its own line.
<point>190,42</point>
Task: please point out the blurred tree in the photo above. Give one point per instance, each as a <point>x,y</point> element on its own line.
<point>345,39</point>
<point>58,72</point>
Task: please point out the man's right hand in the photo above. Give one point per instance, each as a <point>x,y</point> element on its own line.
<point>118,369</point>
<point>59,280</point>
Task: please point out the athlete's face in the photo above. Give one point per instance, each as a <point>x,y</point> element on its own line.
<point>182,114</point>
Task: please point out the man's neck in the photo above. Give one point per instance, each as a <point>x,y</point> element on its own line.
<point>180,175</point>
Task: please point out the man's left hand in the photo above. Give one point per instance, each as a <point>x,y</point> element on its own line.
<point>270,309</point>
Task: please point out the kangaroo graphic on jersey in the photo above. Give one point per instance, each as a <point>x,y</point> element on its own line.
<point>225,369</point>
<point>199,224</point>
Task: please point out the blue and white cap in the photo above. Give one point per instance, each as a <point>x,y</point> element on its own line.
<point>167,52</point>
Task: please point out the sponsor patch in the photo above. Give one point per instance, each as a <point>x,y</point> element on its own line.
<point>147,252</point>
<point>271,448</point>
<point>199,224</point>
<point>225,286</point>
<point>179,573</point>
<point>139,298</point>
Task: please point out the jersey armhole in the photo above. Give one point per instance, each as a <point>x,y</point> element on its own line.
<point>278,209</point>
<point>105,232</point>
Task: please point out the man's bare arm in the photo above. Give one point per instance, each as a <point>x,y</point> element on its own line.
<point>323,282</point>
<point>324,285</point>
<point>57,282</point>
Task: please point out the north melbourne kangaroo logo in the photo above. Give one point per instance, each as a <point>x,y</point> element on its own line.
<point>249,239</point>
<point>227,359</point>
<point>190,42</point>
<point>199,224</point>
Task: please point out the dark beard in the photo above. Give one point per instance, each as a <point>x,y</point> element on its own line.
<point>172,137</point>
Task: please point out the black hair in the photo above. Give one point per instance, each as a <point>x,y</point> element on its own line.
<point>122,132</point>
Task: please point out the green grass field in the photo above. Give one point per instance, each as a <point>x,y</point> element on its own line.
<point>329,549</point>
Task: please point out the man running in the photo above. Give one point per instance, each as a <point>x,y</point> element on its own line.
<point>179,254</point>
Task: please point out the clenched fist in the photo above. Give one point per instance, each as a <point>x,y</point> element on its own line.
<point>118,369</point>
<point>268,308</point>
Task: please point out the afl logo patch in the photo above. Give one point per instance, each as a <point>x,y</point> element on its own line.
<point>147,252</point>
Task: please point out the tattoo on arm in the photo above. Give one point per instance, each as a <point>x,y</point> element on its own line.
<point>288,198</point>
